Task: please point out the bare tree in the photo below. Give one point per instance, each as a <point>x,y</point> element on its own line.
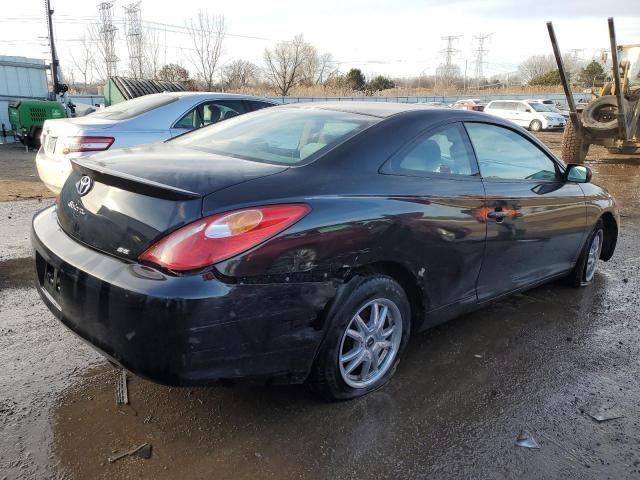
<point>173,72</point>
<point>535,66</point>
<point>287,62</point>
<point>98,51</point>
<point>151,54</point>
<point>84,62</point>
<point>207,33</point>
<point>239,74</point>
<point>327,69</point>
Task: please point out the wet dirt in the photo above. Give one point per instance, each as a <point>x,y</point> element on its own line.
<point>541,361</point>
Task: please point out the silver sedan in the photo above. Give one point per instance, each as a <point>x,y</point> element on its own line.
<point>148,119</point>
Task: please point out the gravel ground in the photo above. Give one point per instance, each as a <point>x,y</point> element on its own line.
<point>541,361</point>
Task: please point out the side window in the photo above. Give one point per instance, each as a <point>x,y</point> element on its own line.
<point>505,154</point>
<point>190,120</point>
<point>217,111</point>
<point>445,151</point>
<point>521,107</point>
<point>256,105</point>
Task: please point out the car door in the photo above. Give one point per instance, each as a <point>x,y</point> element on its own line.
<point>438,174</point>
<point>535,220</point>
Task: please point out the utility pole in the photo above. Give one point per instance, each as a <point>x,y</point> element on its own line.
<point>448,68</point>
<point>133,31</point>
<point>55,64</point>
<point>108,34</point>
<point>480,52</point>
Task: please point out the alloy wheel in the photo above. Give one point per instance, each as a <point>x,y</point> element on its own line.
<point>593,256</point>
<point>370,343</point>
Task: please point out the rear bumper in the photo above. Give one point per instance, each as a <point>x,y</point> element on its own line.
<point>191,330</point>
<point>53,173</point>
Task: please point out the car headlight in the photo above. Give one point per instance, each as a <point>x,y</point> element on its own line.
<point>548,117</point>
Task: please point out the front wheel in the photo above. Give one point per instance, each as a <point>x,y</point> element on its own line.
<point>535,126</point>
<point>587,264</point>
<point>368,332</point>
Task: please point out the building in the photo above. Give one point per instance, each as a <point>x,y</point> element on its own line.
<point>20,78</point>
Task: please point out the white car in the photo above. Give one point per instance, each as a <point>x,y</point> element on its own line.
<point>553,106</point>
<point>148,119</point>
<point>534,116</point>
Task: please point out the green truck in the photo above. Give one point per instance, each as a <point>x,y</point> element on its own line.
<point>28,116</point>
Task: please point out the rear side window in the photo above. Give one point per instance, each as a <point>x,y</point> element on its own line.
<point>444,151</point>
<point>497,106</point>
<point>505,154</point>
<point>135,107</point>
<point>209,113</point>
<point>286,136</point>
<point>256,105</point>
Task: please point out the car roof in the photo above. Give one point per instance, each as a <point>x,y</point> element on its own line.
<point>370,108</point>
<point>216,95</point>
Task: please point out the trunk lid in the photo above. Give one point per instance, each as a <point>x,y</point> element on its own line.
<point>54,132</point>
<point>136,196</point>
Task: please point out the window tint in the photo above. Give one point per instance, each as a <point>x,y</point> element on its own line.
<point>190,121</point>
<point>284,135</point>
<point>256,105</point>
<point>503,153</point>
<point>135,107</point>
<point>209,113</point>
<point>215,111</point>
<point>445,151</point>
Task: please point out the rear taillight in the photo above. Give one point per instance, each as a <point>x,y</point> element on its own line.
<point>222,236</point>
<point>86,144</point>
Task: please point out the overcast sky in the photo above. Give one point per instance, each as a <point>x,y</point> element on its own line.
<point>396,38</point>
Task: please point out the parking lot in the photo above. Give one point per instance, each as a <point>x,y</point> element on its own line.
<point>543,361</point>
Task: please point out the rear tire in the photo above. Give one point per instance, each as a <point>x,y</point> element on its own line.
<point>336,373</point>
<point>535,125</point>
<point>574,148</point>
<point>584,271</point>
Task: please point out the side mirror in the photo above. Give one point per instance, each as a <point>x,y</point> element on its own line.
<point>528,110</point>
<point>577,173</point>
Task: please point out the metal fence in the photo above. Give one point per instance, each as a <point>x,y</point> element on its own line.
<point>557,97</point>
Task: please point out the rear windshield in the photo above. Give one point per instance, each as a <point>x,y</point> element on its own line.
<point>135,107</point>
<point>286,136</point>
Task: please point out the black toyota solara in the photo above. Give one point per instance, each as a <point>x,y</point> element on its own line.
<point>307,243</point>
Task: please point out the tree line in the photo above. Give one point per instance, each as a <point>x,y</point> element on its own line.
<point>287,65</point>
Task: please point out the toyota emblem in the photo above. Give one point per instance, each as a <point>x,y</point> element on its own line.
<point>84,185</point>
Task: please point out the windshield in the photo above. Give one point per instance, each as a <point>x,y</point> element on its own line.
<point>286,136</point>
<point>539,107</point>
<point>132,108</point>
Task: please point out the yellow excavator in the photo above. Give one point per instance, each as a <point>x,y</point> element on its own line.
<point>612,117</point>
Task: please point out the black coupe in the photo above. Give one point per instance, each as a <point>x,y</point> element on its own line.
<point>307,242</point>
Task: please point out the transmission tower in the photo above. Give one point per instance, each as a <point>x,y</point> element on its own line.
<point>133,31</point>
<point>107,37</point>
<point>480,52</point>
<point>448,68</point>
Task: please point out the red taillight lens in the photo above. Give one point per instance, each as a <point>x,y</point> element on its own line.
<point>222,236</point>
<point>86,144</point>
